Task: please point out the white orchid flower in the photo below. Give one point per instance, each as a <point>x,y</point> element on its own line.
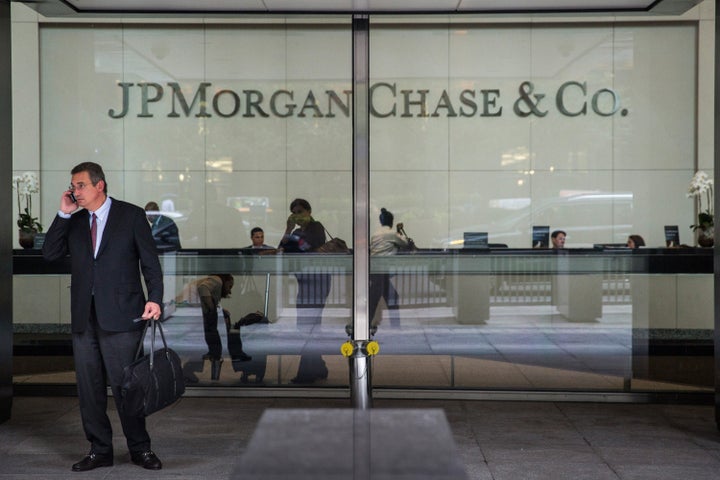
<point>25,185</point>
<point>701,188</point>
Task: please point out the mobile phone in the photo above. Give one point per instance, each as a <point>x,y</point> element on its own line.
<point>72,197</point>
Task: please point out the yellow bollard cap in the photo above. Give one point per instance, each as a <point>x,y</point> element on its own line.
<point>347,349</point>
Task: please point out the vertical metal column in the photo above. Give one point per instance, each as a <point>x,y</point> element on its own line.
<point>6,237</point>
<point>716,250</point>
<point>360,383</point>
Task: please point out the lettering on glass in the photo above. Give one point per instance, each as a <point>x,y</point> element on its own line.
<point>572,98</point>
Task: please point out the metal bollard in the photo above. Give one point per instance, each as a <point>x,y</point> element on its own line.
<point>360,371</point>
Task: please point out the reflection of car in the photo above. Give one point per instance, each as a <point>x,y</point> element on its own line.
<point>173,215</point>
<point>170,206</point>
<point>252,205</point>
<point>588,218</point>
<point>254,209</point>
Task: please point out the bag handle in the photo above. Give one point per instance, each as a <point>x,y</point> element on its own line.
<point>156,325</point>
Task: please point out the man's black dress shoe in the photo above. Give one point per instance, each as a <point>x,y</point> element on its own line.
<point>242,357</point>
<point>93,460</point>
<point>146,460</point>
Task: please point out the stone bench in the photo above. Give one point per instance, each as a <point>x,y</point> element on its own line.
<point>332,444</point>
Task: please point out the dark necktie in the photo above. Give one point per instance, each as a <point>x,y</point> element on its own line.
<point>93,231</point>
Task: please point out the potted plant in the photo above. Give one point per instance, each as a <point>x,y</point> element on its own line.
<point>701,188</point>
<point>28,226</point>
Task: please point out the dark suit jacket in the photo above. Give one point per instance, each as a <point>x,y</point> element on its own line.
<point>165,233</point>
<point>126,247</point>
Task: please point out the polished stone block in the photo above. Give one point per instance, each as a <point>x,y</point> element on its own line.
<point>345,443</point>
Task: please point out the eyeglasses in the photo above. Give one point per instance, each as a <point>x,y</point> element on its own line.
<point>75,188</point>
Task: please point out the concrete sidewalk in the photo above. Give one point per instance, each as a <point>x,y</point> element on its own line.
<point>201,438</point>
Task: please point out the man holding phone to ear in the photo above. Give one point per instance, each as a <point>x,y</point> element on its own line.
<point>109,242</point>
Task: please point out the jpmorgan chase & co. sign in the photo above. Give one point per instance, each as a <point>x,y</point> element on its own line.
<point>570,99</point>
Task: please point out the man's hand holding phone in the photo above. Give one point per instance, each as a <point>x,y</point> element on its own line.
<point>68,202</point>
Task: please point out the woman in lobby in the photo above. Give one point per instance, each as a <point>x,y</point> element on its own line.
<point>635,241</point>
<point>313,288</point>
<point>385,241</point>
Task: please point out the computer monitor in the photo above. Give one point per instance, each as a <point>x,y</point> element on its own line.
<point>672,236</point>
<point>541,236</point>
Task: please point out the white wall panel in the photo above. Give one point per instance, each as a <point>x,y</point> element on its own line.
<point>440,164</point>
<point>162,56</point>
<point>655,75</point>
<point>246,142</point>
<point>79,72</point>
<point>493,202</point>
<point>491,60</point>
<point>420,200</point>
<point>579,202</point>
<point>652,207</point>
<point>319,60</point>
<point>561,55</point>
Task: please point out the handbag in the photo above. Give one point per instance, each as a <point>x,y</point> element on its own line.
<point>249,296</point>
<point>251,319</point>
<point>335,245</point>
<point>411,247</point>
<point>154,381</point>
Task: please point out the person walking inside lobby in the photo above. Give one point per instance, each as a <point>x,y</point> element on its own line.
<point>109,242</point>
<point>313,288</point>
<point>385,241</point>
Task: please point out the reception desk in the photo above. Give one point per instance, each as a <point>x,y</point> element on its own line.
<point>574,282</point>
<point>627,314</point>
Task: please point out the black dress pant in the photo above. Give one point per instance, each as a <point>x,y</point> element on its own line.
<point>100,357</point>
<point>382,287</point>
<point>313,290</point>
<point>210,326</point>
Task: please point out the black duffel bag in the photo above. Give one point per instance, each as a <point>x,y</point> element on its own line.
<point>154,381</point>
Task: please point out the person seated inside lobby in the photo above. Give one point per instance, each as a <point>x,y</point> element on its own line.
<point>635,241</point>
<point>558,239</point>
<point>257,235</point>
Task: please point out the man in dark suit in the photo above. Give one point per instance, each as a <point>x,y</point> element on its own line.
<point>109,242</point>
<point>164,230</point>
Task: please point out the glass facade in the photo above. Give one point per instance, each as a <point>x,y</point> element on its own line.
<point>484,138</point>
